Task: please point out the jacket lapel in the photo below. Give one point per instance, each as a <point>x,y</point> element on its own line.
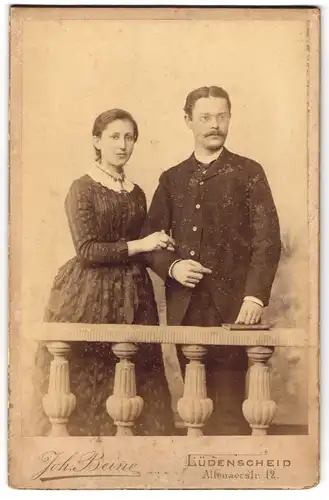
<point>191,165</point>
<point>222,164</point>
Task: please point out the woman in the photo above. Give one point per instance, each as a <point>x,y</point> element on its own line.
<point>106,282</point>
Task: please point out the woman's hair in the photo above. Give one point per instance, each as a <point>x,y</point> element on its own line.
<point>103,120</point>
<point>197,94</point>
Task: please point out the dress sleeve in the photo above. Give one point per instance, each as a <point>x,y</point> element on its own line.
<point>83,226</point>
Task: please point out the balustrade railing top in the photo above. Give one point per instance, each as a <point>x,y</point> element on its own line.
<point>289,337</point>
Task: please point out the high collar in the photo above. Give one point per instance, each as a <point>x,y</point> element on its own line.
<point>100,176</point>
<point>211,158</point>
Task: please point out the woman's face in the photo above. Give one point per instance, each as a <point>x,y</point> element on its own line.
<point>116,143</point>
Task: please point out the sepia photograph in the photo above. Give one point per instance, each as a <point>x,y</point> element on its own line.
<point>164,248</point>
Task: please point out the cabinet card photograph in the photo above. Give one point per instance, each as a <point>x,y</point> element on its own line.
<point>164,238</point>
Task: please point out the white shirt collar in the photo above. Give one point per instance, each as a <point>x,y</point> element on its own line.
<point>209,159</point>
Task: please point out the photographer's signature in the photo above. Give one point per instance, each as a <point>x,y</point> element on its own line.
<point>60,465</point>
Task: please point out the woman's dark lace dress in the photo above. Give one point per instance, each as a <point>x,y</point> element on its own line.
<point>102,284</point>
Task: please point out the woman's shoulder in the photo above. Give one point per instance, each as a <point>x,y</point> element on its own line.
<point>82,183</point>
<point>138,189</point>
<point>85,184</point>
<point>81,186</point>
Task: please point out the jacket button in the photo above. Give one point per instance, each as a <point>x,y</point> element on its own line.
<point>192,252</point>
<point>197,206</point>
<point>195,228</point>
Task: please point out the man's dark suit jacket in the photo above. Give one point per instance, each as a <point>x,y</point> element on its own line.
<point>225,219</point>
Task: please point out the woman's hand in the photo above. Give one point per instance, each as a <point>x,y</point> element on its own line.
<point>157,241</point>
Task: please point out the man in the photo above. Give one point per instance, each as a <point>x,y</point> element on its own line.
<point>219,209</point>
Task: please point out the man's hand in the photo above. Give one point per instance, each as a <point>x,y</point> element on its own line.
<point>250,313</point>
<point>189,272</point>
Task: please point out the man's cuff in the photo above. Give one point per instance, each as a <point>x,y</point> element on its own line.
<point>171,267</point>
<point>252,299</point>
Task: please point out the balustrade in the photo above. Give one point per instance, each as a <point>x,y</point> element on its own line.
<point>59,402</point>
<point>258,409</point>
<point>194,407</point>
<point>124,405</point>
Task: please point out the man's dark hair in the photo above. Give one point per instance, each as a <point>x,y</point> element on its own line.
<point>212,91</point>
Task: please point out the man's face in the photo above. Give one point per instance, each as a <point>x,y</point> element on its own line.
<point>210,122</point>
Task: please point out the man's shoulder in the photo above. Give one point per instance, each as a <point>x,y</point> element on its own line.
<point>177,169</point>
<point>244,162</point>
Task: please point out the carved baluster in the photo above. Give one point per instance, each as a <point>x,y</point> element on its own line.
<point>259,409</point>
<point>59,402</point>
<point>124,406</point>
<point>194,407</point>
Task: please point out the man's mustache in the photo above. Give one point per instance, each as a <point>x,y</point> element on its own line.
<point>215,133</point>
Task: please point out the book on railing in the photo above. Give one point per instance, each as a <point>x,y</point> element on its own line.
<point>240,326</point>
